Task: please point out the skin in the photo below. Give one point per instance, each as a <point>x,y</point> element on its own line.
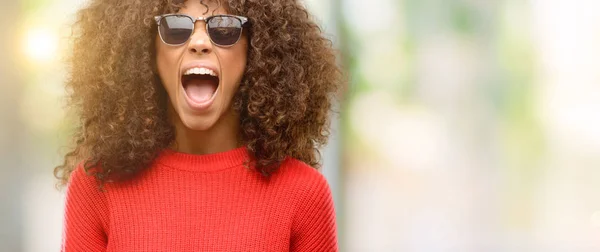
<point>215,129</point>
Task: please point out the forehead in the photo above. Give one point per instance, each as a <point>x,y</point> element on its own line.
<point>201,7</point>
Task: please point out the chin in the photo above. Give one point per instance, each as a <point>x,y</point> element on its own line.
<point>197,122</point>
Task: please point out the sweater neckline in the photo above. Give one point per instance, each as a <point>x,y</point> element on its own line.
<point>203,162</point>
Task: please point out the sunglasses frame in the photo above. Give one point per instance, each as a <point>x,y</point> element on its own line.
<point>243,22</point>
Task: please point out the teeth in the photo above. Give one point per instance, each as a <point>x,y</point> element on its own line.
<point>200,70</point>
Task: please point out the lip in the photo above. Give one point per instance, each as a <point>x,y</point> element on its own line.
<point>199,107</point>
<point>194,64</point>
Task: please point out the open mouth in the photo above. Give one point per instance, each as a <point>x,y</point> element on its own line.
<point>200,84</point>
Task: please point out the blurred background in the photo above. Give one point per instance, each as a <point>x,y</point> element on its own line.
<point>467,125</point>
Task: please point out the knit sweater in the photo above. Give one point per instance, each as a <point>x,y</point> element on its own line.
<point>186,202</point>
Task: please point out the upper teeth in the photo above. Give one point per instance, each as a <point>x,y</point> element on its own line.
<point>200,70</point>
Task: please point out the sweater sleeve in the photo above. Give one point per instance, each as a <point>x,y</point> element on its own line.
<point>86,215</point>
<point>314,227</point>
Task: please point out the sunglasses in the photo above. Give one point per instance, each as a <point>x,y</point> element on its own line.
<point>223,30</point>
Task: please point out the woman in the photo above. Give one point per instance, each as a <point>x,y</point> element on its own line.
<point>199,124</point>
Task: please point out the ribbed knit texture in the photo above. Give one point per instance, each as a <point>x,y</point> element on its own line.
<point>187,202</point>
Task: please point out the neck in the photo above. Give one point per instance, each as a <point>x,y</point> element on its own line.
<point>221,137</point>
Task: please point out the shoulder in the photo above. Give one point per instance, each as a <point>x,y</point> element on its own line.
<point>305,181</point>
<point>84,188</point>
<point>80,179</point>
<point>297,172</point>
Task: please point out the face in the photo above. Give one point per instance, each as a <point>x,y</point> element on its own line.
<point>200,77</point>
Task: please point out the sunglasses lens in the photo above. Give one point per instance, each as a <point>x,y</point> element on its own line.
<point>224,30</point>
<point>175,29</point>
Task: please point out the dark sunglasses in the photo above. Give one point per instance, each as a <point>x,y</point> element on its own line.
<point>223,30</point>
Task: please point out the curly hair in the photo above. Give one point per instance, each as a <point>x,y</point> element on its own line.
<point>114,89</point>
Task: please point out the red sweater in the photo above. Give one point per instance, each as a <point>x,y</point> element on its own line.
<point>186,202</point>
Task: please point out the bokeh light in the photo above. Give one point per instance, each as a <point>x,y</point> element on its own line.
<point>41,45</point>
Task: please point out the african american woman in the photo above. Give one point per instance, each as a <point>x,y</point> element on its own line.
<point>199,125</point>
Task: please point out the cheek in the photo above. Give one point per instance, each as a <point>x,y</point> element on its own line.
<point>236,60</point>
<point>242,51</point>
<point>166,62</point>
<point>235,72</point>
<point>160,60</point>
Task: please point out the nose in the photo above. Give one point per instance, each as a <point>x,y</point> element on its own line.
<point>200,41</point>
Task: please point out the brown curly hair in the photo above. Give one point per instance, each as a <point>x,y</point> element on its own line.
<point>113,87</point>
